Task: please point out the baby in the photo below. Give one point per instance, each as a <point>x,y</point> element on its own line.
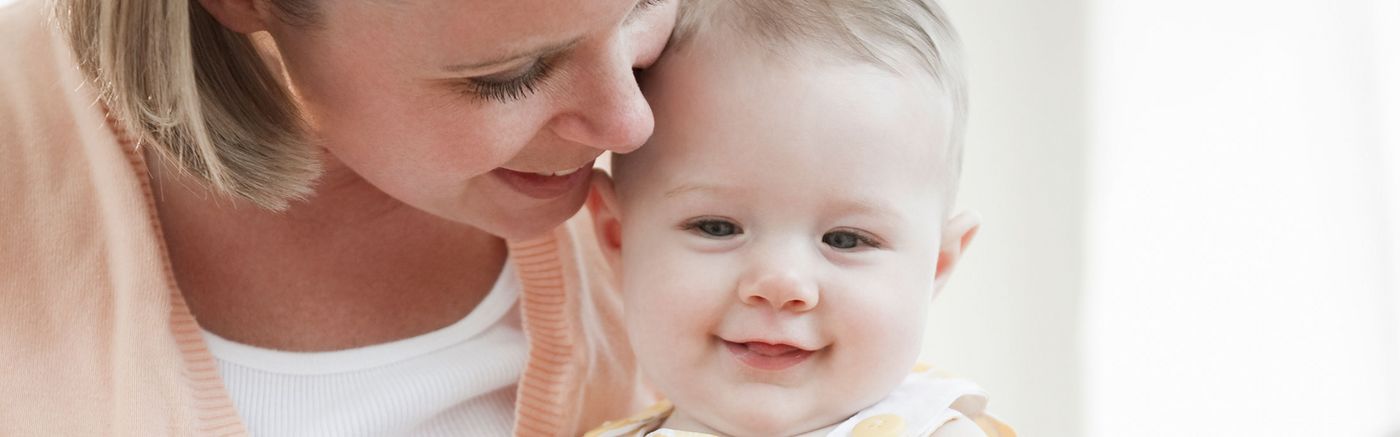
<point>782,234</point>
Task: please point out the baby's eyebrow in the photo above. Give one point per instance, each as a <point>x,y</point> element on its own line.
<point>868,206</point>
<point>689,188</point>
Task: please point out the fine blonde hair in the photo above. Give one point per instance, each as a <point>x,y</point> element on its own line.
<point>886,33</point>
<point>179,82</point>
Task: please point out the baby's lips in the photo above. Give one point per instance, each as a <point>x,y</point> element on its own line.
<point>768,345</point>
<point>770,349</point>
<point>765,356</point>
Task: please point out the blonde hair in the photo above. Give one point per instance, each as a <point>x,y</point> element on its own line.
<point>178,81</point>
<point>879,32</point>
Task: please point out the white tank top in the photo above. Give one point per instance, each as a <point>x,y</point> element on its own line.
<point>458,380</point>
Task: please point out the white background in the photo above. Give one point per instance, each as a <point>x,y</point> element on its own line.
<point>1192,217</point>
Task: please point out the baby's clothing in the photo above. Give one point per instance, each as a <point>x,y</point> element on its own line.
<point>925,401</point>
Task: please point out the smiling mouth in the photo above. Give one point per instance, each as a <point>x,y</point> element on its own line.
<point>768,356</point>
<point>555,173</point>
<point>546,184</point>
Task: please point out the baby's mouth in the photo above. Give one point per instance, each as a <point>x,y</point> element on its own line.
<point>771,350</point>
<point>767,356</point>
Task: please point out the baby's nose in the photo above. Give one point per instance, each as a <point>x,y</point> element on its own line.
<point>783,291</point>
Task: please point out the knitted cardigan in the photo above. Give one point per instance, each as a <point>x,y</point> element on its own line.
<point>95,336</point>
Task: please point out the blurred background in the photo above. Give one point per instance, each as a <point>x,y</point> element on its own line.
<point>1192,217</point>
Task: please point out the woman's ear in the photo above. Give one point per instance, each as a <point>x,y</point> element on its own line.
<point>607,219</point>
<point>957,235</point>
<point>239,16</point>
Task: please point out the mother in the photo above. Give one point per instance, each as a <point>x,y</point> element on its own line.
<point>296,216</point>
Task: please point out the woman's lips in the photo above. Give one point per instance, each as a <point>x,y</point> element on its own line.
<point>541,186</point>
<point>767,356</point>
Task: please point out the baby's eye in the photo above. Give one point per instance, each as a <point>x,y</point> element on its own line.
<point>713,228</point>
<point>846,240</point>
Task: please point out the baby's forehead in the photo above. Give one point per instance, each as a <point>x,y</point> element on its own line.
<point>748,117</point>
<point>884,33</point>
<point>832,171</point>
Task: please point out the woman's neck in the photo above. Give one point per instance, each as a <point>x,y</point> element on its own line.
<point>348,267</point>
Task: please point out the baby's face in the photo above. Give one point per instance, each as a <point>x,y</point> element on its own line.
<point>779,237</point>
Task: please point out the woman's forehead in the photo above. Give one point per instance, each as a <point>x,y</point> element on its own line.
<point>469,32</point>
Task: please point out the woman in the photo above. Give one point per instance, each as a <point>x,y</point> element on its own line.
<point>294,216</point>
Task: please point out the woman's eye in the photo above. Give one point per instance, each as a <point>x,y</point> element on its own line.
<point>713,228</point>
<point>847,240</point>
<point>509,86</point>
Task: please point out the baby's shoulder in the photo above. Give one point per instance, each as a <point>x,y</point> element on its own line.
<point>930,402</point>
<point>983,426</point>
<point>959,427</point>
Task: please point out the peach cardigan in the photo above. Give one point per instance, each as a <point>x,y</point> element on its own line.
<point>95,338</point>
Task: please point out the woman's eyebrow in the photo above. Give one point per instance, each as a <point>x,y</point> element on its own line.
<point>533,53</point>
<point>512,57</point>
<point>637,8</point>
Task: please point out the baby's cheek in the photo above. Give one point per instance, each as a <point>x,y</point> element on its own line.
<point>866,375</point>
<point>886,337</point>
<point>665,318</point>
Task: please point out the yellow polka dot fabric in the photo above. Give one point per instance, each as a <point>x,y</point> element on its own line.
<point>640,424</point>
<point>926,400</point>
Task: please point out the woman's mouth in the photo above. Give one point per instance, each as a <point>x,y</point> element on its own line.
<point>767,356</point>
<point>544,185</point>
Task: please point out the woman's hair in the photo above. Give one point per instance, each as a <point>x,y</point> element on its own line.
<point>200,95</point>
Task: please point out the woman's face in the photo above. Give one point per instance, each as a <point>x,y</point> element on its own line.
<point>476,110</point>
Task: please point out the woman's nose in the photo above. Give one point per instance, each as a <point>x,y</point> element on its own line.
<point>783,290</point>
<point>608,112</point>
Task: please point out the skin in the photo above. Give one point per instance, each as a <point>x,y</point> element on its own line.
<point>733,225</point>
<point>405,232</point>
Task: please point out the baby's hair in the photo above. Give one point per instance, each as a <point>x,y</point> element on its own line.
<point>885,33</point>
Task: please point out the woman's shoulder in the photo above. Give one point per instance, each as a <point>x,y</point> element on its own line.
<point>46,109</point>
<point>34,52</point>
<point>21,16</point>
<point>73,192</point>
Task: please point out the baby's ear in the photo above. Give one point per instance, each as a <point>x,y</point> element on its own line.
<point>957,235</point>
<point>607,219</point>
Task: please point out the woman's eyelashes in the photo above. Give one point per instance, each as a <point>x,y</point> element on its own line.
<point>521,83</point>
<point>643,5</point>
<point>510,86</point>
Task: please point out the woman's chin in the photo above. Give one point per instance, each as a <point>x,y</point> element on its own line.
<point>536,221</point>
<point>514,216</point>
